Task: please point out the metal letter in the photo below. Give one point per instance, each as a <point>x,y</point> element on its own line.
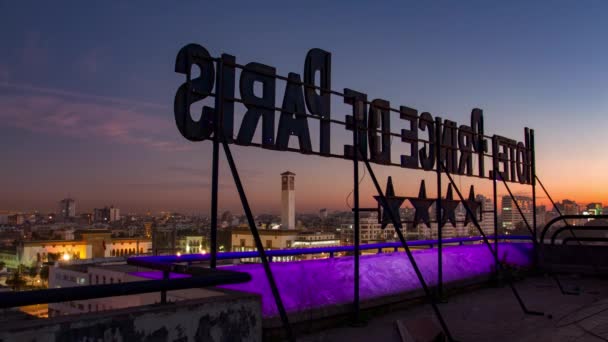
<point>379,147</point>
<point>427,160</point>
<point>357,100</point>
<point>521,163</point>
<point>193,91</point>
<point>258,106</point>
<point>449,141</point>
<point>480,144</point>
<point>319,104</point>
<point>410,136</point>
<point>465,145</point>
<point>228,84</point>
<point>293,102</point>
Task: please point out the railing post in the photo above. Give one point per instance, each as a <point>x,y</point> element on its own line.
<point>218,114</point>
<point>356,103</point>
<point>438,208</point>
<point>495,198</point>
<point>163,293</point>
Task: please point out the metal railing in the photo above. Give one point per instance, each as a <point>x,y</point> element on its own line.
<point>571,229</point>
<point>206,278</point>
<point>172,262</point>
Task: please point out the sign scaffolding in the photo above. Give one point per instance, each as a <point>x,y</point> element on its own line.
<point>428,143</point>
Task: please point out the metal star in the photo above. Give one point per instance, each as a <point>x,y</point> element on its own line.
<point>448,206</point>
<point>393,204</point>
<point>421,206</point>
<point>473,205</point>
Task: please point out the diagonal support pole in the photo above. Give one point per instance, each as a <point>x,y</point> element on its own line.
<point>258,242</point>
<point>559,212</point>
<point>554,276</point>
<point>487,242</point>
<point>398,227</point>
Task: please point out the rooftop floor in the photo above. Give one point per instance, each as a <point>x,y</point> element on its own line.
<point>493,314</point>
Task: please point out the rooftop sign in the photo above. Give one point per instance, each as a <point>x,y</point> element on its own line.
<point>463,147</point>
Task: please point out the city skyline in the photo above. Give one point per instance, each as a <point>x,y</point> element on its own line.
<point>95,120</point>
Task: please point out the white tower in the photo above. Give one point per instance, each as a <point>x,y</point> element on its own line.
<point>288,200</point>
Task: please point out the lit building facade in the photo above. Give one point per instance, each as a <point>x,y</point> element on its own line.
<point>370,230</point>
<point>65,276</point>
<point>511,216</point>
<point>88,245</point>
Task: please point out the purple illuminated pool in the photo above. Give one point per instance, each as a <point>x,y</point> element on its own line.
<point>304,285</point>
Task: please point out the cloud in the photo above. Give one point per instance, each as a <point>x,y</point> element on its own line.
<point>78,96</point>
<point>57,112</point>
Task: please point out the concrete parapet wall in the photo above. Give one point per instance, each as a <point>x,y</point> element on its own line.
<point>582,259</point>
<point>229,317</point>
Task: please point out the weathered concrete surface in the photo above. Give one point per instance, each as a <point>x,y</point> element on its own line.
<point>492,314</point>
<point>230,317</point>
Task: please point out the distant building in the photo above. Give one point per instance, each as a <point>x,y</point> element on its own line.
<point>16,220</point>
<point>487,215</point>
<point>148,225</point>
<point>85,244</point>
<point>101,215</point>
<point>315,239</point>
<point>370,230</point>
<point>511,216</point>
<point>568,207</point>
<point>541,217</point>
<point>242,241</point>
<point>288,200</point>
<point>114,214</point>
<point>74,275</point>
<point>323,213</point>
<point>67,208</point>
<point>192,244</point>
<point>106,215</point>
<point>595,209</point>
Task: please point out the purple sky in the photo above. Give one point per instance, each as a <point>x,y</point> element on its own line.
<point>86,94</point>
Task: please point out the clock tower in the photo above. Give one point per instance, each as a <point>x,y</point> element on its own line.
<point>288,200</point>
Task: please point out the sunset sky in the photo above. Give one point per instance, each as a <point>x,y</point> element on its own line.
<point>86,94</point>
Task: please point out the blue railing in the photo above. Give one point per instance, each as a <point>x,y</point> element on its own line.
<point>163,261</point>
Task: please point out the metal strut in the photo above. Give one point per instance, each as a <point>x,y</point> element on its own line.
<point>487,242</point>
<point>554,276</point>
<point>397,225</point>
<point>258,241</point>
<point>219,112</point>
<point>559,212</point>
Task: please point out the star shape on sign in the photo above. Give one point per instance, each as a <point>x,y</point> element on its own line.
<point>393,204</point>
<point>473,205</point>
<point>421,206</point>
<point>448,208</point>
